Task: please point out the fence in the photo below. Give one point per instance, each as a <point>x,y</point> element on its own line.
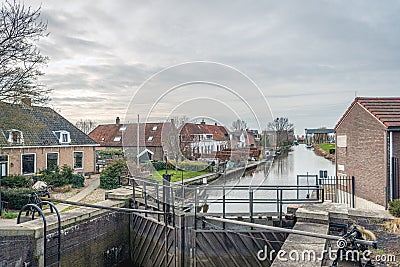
<point>339,189</point>
<point>242,201</point>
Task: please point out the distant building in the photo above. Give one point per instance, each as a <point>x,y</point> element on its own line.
<point>368,148</point>
<point>203,140</point>
<point>35,138</point>
<point>125,136</point>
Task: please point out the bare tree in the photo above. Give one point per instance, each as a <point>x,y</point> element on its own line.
<point>239,125</point>
<point>21,62</point>
<point>282,127</point>
<point>86,126</point>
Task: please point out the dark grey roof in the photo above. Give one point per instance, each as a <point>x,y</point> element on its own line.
<point>37,125</point>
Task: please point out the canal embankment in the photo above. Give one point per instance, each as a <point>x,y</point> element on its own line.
<point>210,177</point>
<point>323,153</point>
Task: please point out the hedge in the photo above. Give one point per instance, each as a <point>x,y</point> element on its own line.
<point>16,181</point>
<point>193,166</point>
<point>16,197</point>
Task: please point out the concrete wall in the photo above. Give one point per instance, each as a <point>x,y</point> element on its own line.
<point>90,237</point>
<point>65,156</point>
<point>365,155</point>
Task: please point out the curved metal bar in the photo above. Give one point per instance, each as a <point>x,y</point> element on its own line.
<point>52,206</point>
<point>39,210</point>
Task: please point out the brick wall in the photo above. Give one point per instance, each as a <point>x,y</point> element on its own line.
<point>86,240</point>
<point>365,155</point>
<point>65,156</point>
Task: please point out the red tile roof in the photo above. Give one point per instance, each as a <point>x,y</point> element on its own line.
<point>385,109</point>
<point>150,134</point>
<point>220,133</point>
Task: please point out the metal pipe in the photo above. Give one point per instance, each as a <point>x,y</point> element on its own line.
<point>288,231</point>
<point>102,207</point>
<point>391,165</point>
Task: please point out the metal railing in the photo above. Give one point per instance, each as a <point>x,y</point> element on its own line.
<point>254,200</point>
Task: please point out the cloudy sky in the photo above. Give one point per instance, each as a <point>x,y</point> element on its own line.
<point>309,58</point>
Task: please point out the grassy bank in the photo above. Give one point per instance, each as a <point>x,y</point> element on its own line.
<point>177,176</point>
<point>327,147</point>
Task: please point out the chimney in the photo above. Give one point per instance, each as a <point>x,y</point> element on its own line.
<point>27,102</point>
<point>117,121</point>
<point>203,122</point>
<point>216,124</point>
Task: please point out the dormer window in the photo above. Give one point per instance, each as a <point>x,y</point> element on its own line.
<point>63,137</point>
<point>117,139</point>
<point>15,137</point>
<point>155,128</point>
<point>150,138</point>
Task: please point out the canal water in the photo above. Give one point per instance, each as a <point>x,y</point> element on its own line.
<point>283,171</point>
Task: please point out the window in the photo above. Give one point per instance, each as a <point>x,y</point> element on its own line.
<point>122,129</point>
<point>102,139</point>
<point>150,138</point>
<point>52,161</point>
<point>15,137</point>
<point>78,160</point>
<point>117,139</point>
<point>28,163</point>
<point>155,128</point>
<point>209,136</point>
<point>3,165</point>
<point>63,137</point>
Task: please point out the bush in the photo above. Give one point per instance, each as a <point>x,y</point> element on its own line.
<point>77,180</point>
<point>394,207</point>
<point>193,166</point>
<point>16,181</point>
<point>62,177</point>
<point>16,197</point>
<point>55,179</point>
<point>109,175</point>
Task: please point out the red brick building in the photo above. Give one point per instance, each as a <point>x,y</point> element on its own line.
<point>368,148</point>
<point>34,138</point>
<point>150,136</point>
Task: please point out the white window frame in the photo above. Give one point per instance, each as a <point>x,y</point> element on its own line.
<point>60,139</point>
<point>34,164</point>
<point>11,136</point>
<point>83,160</point>
<point>8,164</point>
<point>58,158</point>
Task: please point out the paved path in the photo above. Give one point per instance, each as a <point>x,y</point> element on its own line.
<point>81,195</point>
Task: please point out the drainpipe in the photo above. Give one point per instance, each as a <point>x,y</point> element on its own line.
<point>391,165</point>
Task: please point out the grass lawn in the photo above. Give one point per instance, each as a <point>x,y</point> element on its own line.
<point>177,176</point>
<point>327,147</point>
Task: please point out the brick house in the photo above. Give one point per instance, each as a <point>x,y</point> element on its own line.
<point>203,140</point>
<point>368,148</point>
<point>125,136</point>
<point>34,138</point>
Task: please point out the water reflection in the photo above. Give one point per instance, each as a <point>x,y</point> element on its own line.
<point>283,171</point>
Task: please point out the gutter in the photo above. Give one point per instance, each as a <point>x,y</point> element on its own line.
<point>58,146</point>
<point>390,165</point>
